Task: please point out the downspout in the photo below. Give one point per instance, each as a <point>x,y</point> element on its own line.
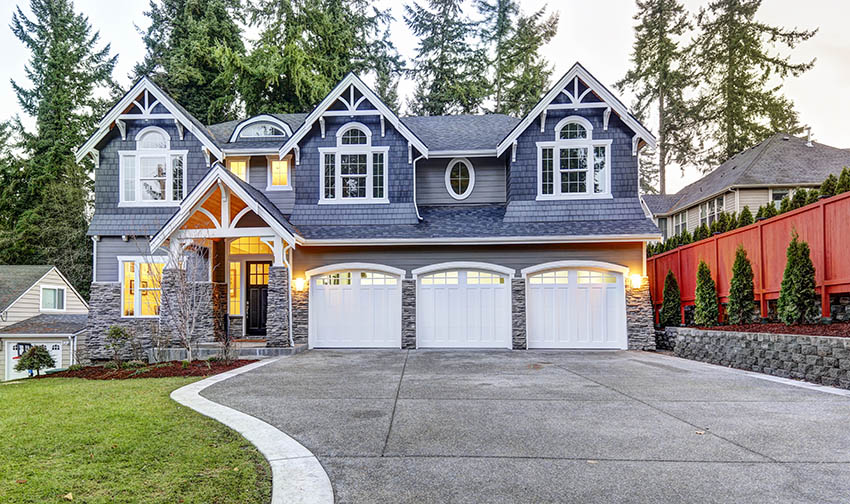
<point>288,263</point>
<point>72,343</point>
<point>94,240</point>
<point>415,206</point>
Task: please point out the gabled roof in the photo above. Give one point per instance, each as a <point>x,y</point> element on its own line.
<point>597,88</point>
<point>780,160</point>
<point>181,114</point>
<point>54,324</point>
<point>348,81</point>
<point>17,280</point>
<point>659,203</point>
<point>461,133</point>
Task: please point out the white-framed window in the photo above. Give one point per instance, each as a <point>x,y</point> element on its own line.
<point>354,171</point>
<point>262,130</point>
<point>278,173</point>
<point>52,298</point>
<point>574,165</point>
<point>55,347</point>
<point>141,289</point>
<point>153,174</point>
<point>343,278</point>
<point>239,166</point>
<point>460,178</point>
<point>680,223</point>
<point>710,210</point>
<point>778,194</point>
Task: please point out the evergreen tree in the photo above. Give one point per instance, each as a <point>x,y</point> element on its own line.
<point>746,217</point>
<point>706,310</point>
<point>770,210</point>
<point>798,301</point>
<point>387,69</point>
<point>785,204</point>
<point>671,315</point>
<point>741,296</point>
<point>738,105</point>
<point>660,78</point>
<point>36,359</point>
<point>843,184</point>
<point>181,42</point>
<point>450,70</point>
<point>812,196</point>
<point>827,188</point>
<point>701,232</point>
<point>799,199</point>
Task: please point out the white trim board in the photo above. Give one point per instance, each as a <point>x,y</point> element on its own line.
<point>555,265</point>
<point>529,240</point>
<point>453,265</point>
<point>354,266</point>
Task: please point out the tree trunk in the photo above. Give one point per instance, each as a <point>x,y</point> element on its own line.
<point>662,144</point>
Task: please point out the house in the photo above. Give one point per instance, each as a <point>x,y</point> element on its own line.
<point>38,306</point>
<point>759,175</point>
<point>350,226</point>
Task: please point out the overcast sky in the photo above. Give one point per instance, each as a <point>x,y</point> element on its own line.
<point>596,32</point>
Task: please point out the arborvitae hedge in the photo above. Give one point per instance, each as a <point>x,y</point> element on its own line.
<point>746,217</point>
<point>741,296</point>
<point>843,184</point>
<point>828,186</point>
<point>706,310</point>
<point>671,314</point>
<point>798,301</point>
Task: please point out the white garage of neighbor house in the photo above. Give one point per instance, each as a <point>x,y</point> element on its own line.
<point>38,306</point>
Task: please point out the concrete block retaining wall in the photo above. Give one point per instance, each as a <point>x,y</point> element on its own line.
<point>816,359</point>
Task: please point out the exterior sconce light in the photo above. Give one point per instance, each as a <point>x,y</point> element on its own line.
<point>636,281</point>
<point>299,284</point>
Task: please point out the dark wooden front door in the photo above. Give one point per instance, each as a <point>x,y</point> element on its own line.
<point>258,297</point>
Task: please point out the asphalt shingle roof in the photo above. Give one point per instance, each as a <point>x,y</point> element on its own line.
<point>461,132</point>
<point>59,324</point>
<point>15,280</point>
<point>660,203</point>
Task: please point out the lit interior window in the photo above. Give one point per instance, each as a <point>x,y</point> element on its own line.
<point>249,245</point>
<point>442,278</point>
<point>235,288</point>
<point>551,278</point>
<point>238,168</point>
<point>280,172</point>
<point>129,289</point>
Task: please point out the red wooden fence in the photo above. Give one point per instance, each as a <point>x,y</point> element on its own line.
<point>825,225</point>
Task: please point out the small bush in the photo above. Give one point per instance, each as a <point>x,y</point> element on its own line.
<point>75,367</point>
<point>827,188</point>
<point>770,210</point>
<point>112,365</point>
<point>798,301</point>
<point>36,358</point>
<point>799,199</point>
<point>785,205</point>
<point>843,184</point>
<point>133,364</point>
<point>813,196</point>
<point>116,338</point>
<point>741,296</point>
<point>746,217</point>
<point>185,364</point>
<point>671,314</point>
<point>706,309</point>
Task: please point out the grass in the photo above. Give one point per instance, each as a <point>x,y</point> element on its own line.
<point>120,441</point>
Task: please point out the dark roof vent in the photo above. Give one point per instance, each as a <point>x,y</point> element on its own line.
<point>786,138</point>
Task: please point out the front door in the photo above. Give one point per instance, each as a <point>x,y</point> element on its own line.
<point>257,297</point>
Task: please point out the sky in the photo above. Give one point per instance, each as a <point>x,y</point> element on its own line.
<point>598,33</point>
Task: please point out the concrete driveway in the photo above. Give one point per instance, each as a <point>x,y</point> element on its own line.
<point>493,427</point>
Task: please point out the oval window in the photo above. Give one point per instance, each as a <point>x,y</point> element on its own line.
<point>460,178</point>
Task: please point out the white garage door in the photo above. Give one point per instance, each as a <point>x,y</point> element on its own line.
<point>463,309</point>
<point>355,309</point>
<point>14,349</point>
<point>574,308</point>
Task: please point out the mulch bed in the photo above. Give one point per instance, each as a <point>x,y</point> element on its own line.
<point>838,329</point>
<point>160,370</point>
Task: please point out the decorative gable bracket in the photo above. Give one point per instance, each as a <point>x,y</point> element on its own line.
<point>179,129</point>
<point>605,116</point>
<point>122,128</point>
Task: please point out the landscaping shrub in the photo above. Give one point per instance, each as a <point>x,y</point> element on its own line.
<point>36,358</point>
<point>670,306</point>
<point>741,296</point>
<point>827,188</point>
<point>701,232</point>
<point>116,338</point>
<point>746,217</point>
<point>798,301</point>
<point>799,199</point>
<point>785,205</point>
<point>843,184</point>
<point>706,310</point>
<point>812,197</point>
<point>770,210</point>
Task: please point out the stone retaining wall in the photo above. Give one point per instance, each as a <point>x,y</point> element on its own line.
<point>817,359</point>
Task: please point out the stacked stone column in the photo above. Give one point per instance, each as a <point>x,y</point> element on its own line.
<point>518,327</point>
<point>277,319</point>
<point>408,313</point>
<point>640,326</point>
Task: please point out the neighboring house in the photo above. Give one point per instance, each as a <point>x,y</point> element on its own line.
<point>38,306</point>
<point>352,227</point>
<point>759,175</point>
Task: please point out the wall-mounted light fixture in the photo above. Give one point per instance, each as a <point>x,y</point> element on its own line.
<point>637,280</point>
<point>299,284</point>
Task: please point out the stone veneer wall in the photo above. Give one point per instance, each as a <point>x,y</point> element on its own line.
<point>105,311</point>
<point>408,313</point>
<point>277,318</point>
<point>300,314</point>
<point>518,326</point>
<point>639,317</point>
<point>234,326</point>
<point>817,359</point>
<point>665,338</point>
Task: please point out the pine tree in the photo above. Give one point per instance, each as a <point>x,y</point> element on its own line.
<point>181,43</point>
<point>671,315</point>
<point>843,184</point>
<point>739,106</point>
<point>799,199</point>
<point>387,69</point>
<point>746,217</point>
<point>812,196</point>
<point>706,310</point>
<point>827,188</point>
<point>741,296</point>
<point>449,69</point>
<point>798,301</point>
<point>660,79</point>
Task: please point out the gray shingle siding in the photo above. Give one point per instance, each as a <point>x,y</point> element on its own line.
<point>258,173</point>
<point>489,184</point>
<point>108,250</point>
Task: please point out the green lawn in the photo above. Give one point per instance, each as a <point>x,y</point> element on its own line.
<point>120,441</point>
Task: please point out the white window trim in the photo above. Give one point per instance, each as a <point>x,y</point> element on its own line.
<point>447,178</point>
<point>368,149</point>
<point>137,298</point>
<point>246,159</point>
<point>585,143</point>
<point>41,307</point>
<point>269,186</point>
<point>710,218</point>
<point>138,154</point>
<point>777,203</point>
<point>683,222</point>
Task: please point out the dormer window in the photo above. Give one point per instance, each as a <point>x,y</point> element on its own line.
<point>574,165</point>
<point>354,171</point>
<point>262,130</point>
<point>153,173</point>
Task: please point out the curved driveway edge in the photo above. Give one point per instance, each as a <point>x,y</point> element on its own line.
<point>297,476</point>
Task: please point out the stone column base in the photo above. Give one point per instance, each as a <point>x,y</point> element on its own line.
<point>640,327</point>
<point>277,315</point>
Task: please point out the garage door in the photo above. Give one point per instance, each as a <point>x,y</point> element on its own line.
<point>15,349</point>
<point>575,308</point>
<point>463,309</point>
<point>355,309</point>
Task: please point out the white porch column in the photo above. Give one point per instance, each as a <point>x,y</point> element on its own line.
<point>278,251</point>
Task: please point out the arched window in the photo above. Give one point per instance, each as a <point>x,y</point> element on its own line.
<point>460,178</point>
<point>153,173</point>
<point>262,130</point>
<point>354,171</point>
<point>574,164</point>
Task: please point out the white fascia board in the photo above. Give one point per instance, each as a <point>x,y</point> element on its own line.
<point>576,71</point>
<point>143,84</point>
<point>249,152</point>
<point>463,153</point>
<point>531,240</point>
<point>352,80</point>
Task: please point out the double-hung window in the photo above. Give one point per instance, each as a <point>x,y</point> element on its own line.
<point>354,171</point>
<point>710,210</point>
<point>141,291</point>
<point>52,298</point>
<point>680,223</point>
<point>153,174</point>
<point>574,165</point>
